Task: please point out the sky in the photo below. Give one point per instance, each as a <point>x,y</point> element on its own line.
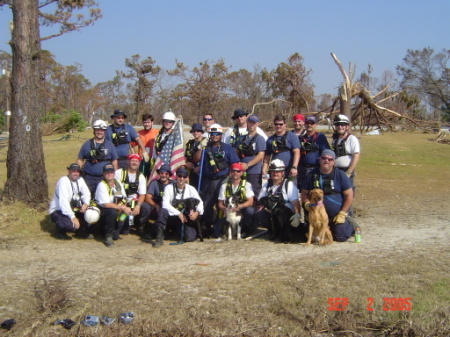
<point>246,33</point>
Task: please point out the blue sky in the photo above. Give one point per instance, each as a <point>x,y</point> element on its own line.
<point>247,32</point>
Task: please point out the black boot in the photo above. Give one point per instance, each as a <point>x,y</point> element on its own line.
<point>109,240</point>
<point>159,237</point>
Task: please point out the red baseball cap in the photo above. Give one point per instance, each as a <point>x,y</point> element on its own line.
<point>236,166</point>
<point>134,156</point>
<point>298,117</point>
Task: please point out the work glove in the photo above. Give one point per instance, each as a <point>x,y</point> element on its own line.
<point>340,218</point>
<point>348,173</point>
<point>295,220</point>
<point>146,157</point>
<point>306,205</point>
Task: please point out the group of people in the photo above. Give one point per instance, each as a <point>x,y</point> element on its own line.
<point>266,179</point>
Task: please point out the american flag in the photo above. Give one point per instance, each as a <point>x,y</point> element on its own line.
<point>172,152</point>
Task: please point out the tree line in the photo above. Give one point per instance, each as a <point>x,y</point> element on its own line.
<point>423,82</point>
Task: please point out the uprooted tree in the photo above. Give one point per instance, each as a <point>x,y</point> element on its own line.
<point>26,174</point>
<point>367,110</point>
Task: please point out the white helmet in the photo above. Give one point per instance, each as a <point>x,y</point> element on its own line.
<point>215,128</point>
<point>169,116</point>
<point>100,124</point>
<point>92,215</point>
<point>277,165</point>
<point>341,119</point>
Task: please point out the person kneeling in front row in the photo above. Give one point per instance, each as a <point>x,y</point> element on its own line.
<point>338,192</point>
<point>170,213</point>
<point>111,198</point>
<point>70,200</point>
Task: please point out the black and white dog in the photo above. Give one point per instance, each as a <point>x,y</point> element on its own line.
<point>187,207</point>
<point>233,219</point>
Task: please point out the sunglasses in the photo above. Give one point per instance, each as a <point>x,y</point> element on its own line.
<point>207,119</point>
<point>278,124</point>
<point>327,158</point>
<point>181,176</point>
<point>164,173</point>
<point>310,123</point>
<point>236,171</point>
<point>167,121</point>
<point>215,134</point>
<point>197,131</point>
<point>340,124</point>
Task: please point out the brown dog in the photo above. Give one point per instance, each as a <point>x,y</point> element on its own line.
<point>318,219</point>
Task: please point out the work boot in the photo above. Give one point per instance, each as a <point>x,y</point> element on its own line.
<point>62,235</point>
<point>159,237</point>
<point>109,240</point>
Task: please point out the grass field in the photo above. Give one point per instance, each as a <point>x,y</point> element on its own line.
<point>254,288</point>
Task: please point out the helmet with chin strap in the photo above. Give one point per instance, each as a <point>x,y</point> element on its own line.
<point>100,124</point>
<point>341,119</point>
<point>215,128</point>
<point>169,116</point>
<point>277,165</point>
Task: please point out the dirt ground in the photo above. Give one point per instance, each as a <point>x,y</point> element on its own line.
<point>96,276</point>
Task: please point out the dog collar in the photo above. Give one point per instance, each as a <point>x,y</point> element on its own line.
<point>320,203</point>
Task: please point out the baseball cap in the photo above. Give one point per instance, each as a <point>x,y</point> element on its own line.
<point>74,166</point>
<point>253,118</point>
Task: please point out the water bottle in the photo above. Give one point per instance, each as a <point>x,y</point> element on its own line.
<point>122,217</point>
<point>131,220</point>
<point>357,235</point>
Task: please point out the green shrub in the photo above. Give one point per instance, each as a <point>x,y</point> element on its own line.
<point>66,121</point>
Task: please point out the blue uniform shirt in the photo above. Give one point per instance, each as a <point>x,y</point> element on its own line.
<point>292,142</point>
<point>258,146</point>
<point>96,168</point>
<point>316,143</point>
<point>225,151</point>
<point>130,135</point>
<point>333,201</point>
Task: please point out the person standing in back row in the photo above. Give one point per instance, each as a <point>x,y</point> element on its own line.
<point>214,166</point>
<point>282,145</point>
<point>346,146</point>
<point>95,154</point>
<point>312,143</point>
<point>121,135</point>
<point>147,135</point>
<point>251,149</point>
<point>233,134</point>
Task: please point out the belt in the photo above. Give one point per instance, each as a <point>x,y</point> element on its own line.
<point>309,166</point>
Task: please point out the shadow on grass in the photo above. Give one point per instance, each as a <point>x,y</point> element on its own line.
<point>47,225</point>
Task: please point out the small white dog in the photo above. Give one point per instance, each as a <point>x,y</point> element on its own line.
<point>233,219</point>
